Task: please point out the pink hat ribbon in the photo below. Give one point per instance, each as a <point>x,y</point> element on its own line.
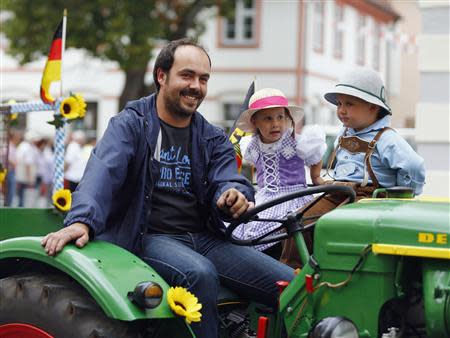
<point>269,101</point>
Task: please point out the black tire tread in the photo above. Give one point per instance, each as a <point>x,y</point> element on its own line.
<point>59,306</point>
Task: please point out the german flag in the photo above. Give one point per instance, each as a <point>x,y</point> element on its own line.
<point>235,133</point>
<point>52,71</point>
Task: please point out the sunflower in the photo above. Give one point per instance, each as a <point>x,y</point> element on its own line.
<point>3,173</point>
<point>184,304</point>
<point>73,107</point>
<point>62,199</point>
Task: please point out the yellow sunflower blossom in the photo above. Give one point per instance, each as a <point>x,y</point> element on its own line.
<point>82,104</point>
<point>3,173</point>
<point>62,199</point>
<point>184,304</point>
<point>73,107</point>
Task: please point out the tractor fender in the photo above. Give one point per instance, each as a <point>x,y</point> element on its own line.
<point>107,271</point>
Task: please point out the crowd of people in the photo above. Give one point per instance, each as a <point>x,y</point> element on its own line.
<point>30,169</point>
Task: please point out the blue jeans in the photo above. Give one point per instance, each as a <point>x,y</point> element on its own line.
<point>200,261</point>
<point>21,193</point>
<point>10,187</point>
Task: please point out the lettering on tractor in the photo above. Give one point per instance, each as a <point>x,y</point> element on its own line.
<point>429,237</point>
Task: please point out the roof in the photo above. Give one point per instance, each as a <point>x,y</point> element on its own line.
<point>379,9</point>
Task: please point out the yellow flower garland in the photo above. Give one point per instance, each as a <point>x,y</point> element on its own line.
<point>184,304</point>
<point>73,107</point>
<point>62,199</point>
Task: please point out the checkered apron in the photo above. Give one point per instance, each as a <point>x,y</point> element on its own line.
<point>267,159</point>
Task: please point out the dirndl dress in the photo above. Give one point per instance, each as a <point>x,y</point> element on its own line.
<point>280,170</point>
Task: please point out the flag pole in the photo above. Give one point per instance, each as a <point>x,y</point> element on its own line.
<point>60,135</point>
<point>244,105</point>
<point>236,133</point>
<point>63,47</point>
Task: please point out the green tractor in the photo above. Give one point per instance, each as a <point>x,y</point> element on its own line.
<point>380,268</point>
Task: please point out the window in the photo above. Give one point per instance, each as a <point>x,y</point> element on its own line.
<point>318,26</point>
<point>376,46</point>
<point>232,111</point>
<point>241,30</point>
<point>338,30</point>
<point>361,40</point>
<point>89,123</point>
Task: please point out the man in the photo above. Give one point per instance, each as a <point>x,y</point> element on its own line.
<point>160,175</point>
<point>27,155</point>
<point>15,137</point>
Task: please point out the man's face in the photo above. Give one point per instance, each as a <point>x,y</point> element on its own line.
<point>184,87</point>
<point>355,113</point>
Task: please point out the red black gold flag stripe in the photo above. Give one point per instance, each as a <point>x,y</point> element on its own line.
<point>236,134</point>
<point>52,71</point>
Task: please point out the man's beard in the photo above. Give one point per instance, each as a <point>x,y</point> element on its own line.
<point>175,106</point>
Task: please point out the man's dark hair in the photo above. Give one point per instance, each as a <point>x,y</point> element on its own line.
<point>166,56</point>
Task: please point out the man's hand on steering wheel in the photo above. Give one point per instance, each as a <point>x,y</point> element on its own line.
<point>234,202</point>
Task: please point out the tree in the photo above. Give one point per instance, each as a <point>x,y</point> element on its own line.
<point>122,31</point>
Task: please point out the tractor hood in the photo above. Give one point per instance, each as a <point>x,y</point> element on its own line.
<point>405,227</point>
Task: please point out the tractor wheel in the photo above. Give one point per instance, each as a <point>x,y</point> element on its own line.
<point>53,306</point>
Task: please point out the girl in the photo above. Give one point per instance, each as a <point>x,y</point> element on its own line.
<point>279,156</point>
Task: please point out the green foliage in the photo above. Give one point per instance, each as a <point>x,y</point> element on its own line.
<point>122,31</point>
<point>58,121</point>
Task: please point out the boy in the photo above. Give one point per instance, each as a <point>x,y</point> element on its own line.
<point>368,153</point>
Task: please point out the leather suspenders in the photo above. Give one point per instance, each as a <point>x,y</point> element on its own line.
<point>355,144</point>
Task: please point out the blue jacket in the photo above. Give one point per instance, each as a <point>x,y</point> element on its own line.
<point>116,188</point>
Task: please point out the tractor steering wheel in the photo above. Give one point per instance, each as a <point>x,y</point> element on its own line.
<point>291,222</point>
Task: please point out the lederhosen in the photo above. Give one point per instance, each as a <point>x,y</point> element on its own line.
<point>353,144</point>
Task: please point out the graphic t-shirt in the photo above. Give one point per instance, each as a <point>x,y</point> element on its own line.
<point>174,206</point>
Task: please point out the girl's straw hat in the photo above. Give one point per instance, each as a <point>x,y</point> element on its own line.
<point>363,83</point>
<point>264,99</point>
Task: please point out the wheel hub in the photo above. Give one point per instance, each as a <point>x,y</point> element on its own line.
<point>17,330</point>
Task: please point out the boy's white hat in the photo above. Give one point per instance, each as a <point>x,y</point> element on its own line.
<point>363,83</point>
<point>263,99</point>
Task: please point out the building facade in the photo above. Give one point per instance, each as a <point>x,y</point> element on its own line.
<point>300,47</point>
<point>433,108</point>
